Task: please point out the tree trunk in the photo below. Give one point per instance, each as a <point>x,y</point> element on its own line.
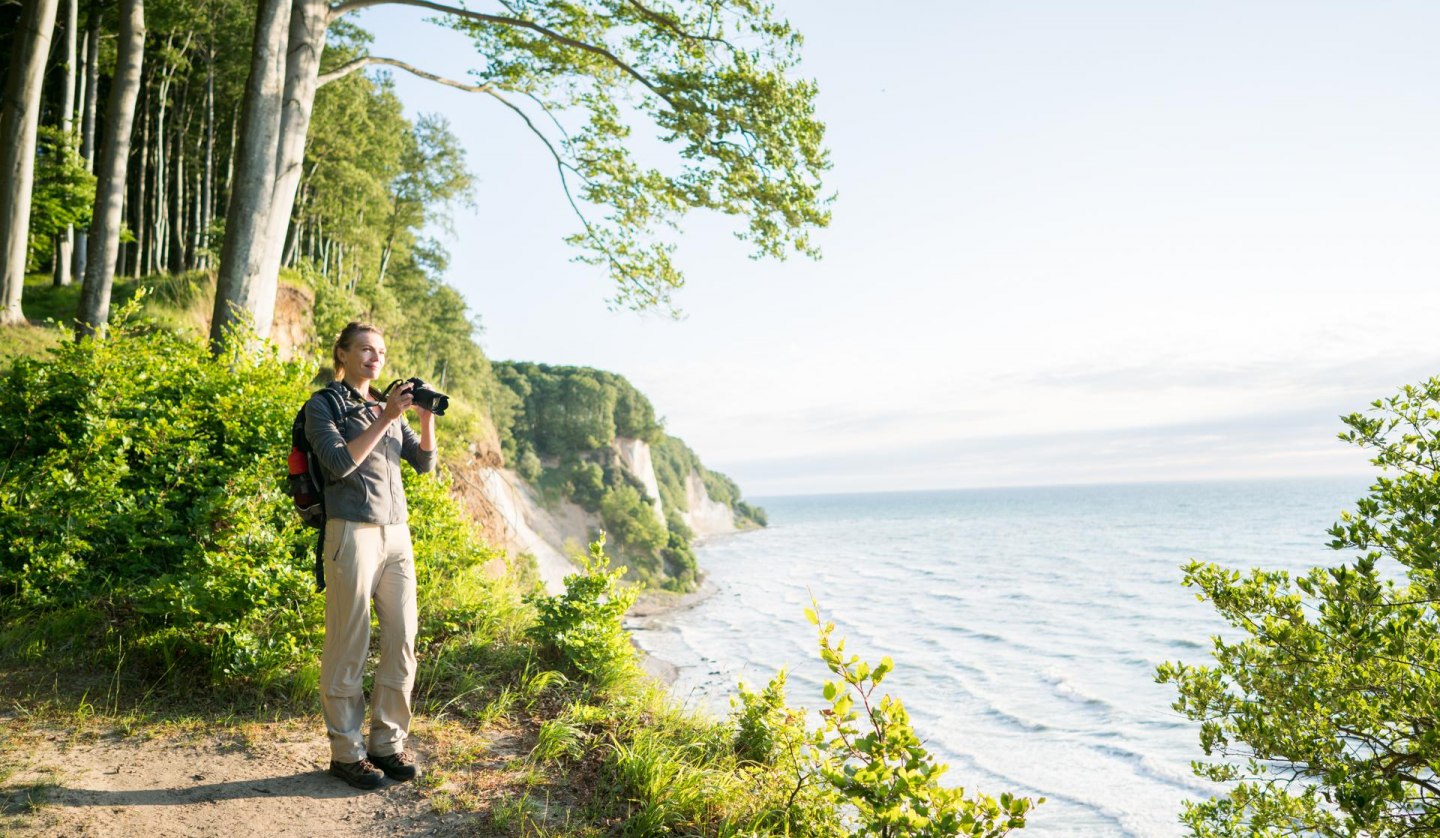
<point>159,238</point>
<point>175,261</point>
<point>94,310</point>
<point>234,149</point>
<point>250,267</point>
<point>65,242</point>
<point>19,119</point>
<point>87,128</point>
<point>207,184</point>
<point>253,159</point>
<point>196,210</point>
<point>392,227</point>
<point>137,209</point>
<point>292,243</point>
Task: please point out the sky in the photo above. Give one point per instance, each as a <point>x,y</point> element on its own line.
<point>1076,241</point>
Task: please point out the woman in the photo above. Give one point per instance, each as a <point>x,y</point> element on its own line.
<point>367,556</point>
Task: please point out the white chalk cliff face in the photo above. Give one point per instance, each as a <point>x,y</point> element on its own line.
<point>635,457</point>
<point>549,535</point>
<point>553,534</point>
<point>706,516</point>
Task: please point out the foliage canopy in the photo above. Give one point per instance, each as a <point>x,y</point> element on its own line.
<point>713,79</point>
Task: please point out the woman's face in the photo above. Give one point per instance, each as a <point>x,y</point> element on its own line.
<point>365,357</point>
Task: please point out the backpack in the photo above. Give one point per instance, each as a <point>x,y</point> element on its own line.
<point>306,484</point>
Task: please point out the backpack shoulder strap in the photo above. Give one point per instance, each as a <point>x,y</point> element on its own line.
<point>337,392</point>
<point>335,398</point>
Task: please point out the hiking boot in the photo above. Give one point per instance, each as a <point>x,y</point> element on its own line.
<point>361,775</point>
<point>398,766</point>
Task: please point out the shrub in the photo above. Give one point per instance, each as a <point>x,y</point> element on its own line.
<point>880,767</point>
<point>142,499</point>
<point>632,521</point>
<point>1319,709</point>
<point>681,568</point>
<point>765,727</point>
<point>143,484</point>
<point>581,627</point>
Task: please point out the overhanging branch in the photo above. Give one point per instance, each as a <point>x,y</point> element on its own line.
<point>489,89</point>
<point>518,23</point>
<point>361,63</point>
<point>674,26</point>
<point>561,166</point>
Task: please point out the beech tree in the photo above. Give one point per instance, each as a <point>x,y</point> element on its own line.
<point>19,123</point>
<point>713,78</point>
<point>105,220</point>
<point>432,174</point>
<point>65,240</point>
<point>89,103</point>
<point>1320,715</point>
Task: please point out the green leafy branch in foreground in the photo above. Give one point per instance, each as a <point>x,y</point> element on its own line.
<point>647,766</point>
<point>1324,712</point>
<point>582,626</point>
<point>882,768</point>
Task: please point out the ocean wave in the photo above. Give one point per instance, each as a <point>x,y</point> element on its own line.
<point>1057,815</point>
<point>1062,686</point>
<point>1151,768</point>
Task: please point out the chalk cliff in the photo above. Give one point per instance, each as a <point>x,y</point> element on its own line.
<point>515,517</point>
<point>636,458</point>
<point>705,515</point>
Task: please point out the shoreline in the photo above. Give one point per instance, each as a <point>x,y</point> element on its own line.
<point>644,617</point>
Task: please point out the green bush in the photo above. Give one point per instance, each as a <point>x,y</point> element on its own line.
<point>766,729</point>
<point>682,569</point>
<point>528,466</point>
<point>631,520</point>
<point>581,627</point>
<point>869,752</point>
<point>143,484</point>
<point>142,515</point>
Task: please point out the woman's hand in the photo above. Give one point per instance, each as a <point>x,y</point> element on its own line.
<point>399,401</point>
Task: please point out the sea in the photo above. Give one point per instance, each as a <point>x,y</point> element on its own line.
<point>1026,624</point>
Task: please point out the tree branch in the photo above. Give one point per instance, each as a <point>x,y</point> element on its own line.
<point>518,23</point>
<point>364,61</point>
<point>671,24</point>
<point>561,166</point>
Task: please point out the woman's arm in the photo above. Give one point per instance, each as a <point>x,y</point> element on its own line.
<point>419,450</point>
<point>361,446</point>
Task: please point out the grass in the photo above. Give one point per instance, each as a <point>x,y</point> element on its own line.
<point>180,302</point>
<point>518,747</point>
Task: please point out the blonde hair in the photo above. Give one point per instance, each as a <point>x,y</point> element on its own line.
<point>352,330</point>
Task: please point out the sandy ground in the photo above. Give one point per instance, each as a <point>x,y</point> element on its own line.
<point>266,779</point>
<point>251,779</point>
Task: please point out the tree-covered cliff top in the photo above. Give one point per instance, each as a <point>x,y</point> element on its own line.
<point>562,436</point>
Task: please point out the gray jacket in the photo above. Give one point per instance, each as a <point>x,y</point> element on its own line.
<point>369,491</point>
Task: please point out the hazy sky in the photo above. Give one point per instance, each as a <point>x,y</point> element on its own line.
<point>1074,241</point>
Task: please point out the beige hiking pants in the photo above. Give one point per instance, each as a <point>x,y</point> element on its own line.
<point>365,562</point>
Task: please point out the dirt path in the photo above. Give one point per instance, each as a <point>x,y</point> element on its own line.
<point>258,779</point>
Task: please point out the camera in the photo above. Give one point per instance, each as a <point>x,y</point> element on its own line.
<point>426,397</point>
